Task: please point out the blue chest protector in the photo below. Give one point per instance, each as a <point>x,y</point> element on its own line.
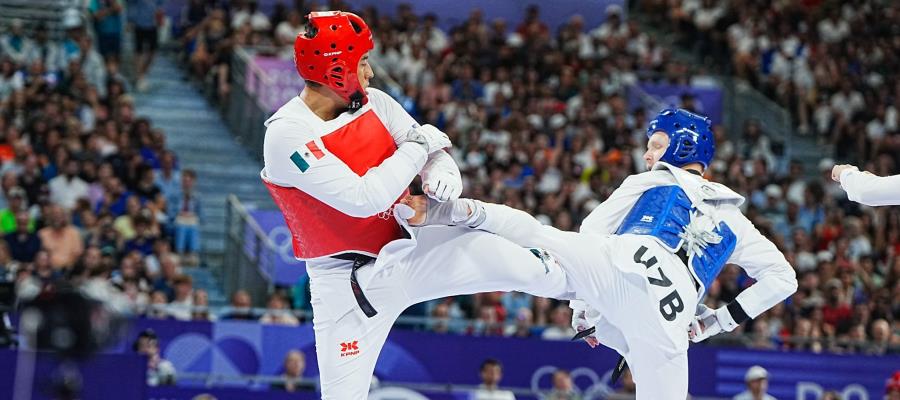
<point>663,212</point>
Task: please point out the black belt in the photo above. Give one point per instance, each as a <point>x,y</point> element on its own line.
<point>682,254</point>
<point>358,261</point>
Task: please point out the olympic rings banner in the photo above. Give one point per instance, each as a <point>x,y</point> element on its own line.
<point>246,348</point>
<point>288,270</point>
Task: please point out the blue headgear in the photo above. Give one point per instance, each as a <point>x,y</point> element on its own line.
<point>690,137</point>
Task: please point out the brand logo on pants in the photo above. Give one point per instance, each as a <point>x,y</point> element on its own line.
<point>350,348</point>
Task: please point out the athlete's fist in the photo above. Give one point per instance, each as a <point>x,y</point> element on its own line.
<point>429,137</point>
<point>710,322</point>
<point>583,317</point>
<point>838,169</point>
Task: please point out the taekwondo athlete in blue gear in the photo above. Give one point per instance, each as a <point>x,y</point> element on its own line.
<point>644,258</point>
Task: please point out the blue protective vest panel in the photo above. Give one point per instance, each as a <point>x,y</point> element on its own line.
<point>663,212</point>
<point>711,259</point>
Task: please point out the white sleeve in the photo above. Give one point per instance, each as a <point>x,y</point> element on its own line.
<point>871,190</point>
<point>329,179</point>
<point>398,122</point>
<point>775,278</point>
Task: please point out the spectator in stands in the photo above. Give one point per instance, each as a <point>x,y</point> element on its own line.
<point>145,17</point>
<point>291,379</point>
<point>757,381</point>
<point>159,370</point>
<point>523,326</point>
<point>107,15</point>
<point>185,211</point>
<point>278,313</point>
<point>46,51</point>
<point>67,188</point>
<point>17,202</point>
<point>241,307</point>
<point>563,389</point>
<point>181,306</point>
<point>11,80</point>
<point>62,240</point>
<point>201,306</point>
<point>168,178</point>
<point>15,43</point>
<point>561,328</point>
<point>491,374</point>
<point>158,304</point>
<point>24,244</point>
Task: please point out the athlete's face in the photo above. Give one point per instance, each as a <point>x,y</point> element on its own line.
<point>364,71</point>
<point>656,147</point>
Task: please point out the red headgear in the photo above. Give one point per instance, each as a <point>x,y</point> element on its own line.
<point>329,52</point>
<point>892,384</point>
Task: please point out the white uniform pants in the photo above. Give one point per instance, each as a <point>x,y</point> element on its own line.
<point>446,261</point>
<point>646,310</point>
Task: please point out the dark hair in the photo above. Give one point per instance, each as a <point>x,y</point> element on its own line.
<point>490,362</point>
<point>145,334</point>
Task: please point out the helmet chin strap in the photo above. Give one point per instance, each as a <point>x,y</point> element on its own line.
<point>356,102</point>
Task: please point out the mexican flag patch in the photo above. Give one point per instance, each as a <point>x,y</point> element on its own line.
<point>305,157</point>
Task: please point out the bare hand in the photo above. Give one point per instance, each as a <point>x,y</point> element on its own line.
<point>838,169</point>
<point>419,204</point>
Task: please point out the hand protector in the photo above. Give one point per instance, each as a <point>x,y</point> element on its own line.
<point>583,318</point>
<point>456,212</point>
<point>441,182</point>
<point>710,322</point>
<point>431,138</point>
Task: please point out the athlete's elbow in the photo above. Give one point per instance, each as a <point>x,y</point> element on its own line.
<point>789,280</point>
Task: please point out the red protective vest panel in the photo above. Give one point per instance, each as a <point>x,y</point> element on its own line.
<point>319,230</point>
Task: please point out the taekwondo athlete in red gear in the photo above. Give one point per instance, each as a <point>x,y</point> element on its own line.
<point>338,158</point>
<point>644,258</point>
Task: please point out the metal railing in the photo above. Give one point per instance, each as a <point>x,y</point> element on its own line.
<point>243,112</point>
<point>829,345</point>
<point>250,255</point>
<point>744,103</point>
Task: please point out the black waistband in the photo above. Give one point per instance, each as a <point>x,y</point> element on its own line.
<point>355,257</point>
<point>359,260</point>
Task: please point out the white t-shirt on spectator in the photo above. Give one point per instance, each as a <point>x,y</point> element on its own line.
<point>832,32</point>
<point>258,20</point>
<point>746,395</point>
<point>181,310</point>
<point>847,104</point>
<point>557,333</point>
<point>486,394</point>
<point>706,18</point>
<point>10,84</point>
<point>65,192</point>
<point>875,129</point>
<point>493,87</point>
<point>287,33</point>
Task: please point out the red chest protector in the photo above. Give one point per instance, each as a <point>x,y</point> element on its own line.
<point>317,229</point>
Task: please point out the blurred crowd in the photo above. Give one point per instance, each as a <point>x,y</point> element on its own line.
<point>540,122</point>
<point>89,193</point>
<point>829,63</point>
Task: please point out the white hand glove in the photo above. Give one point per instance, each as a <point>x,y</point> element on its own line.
<point>431,138</point>
<point>583,317</point>
<point>709,322</point>
<point>441,184</point>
